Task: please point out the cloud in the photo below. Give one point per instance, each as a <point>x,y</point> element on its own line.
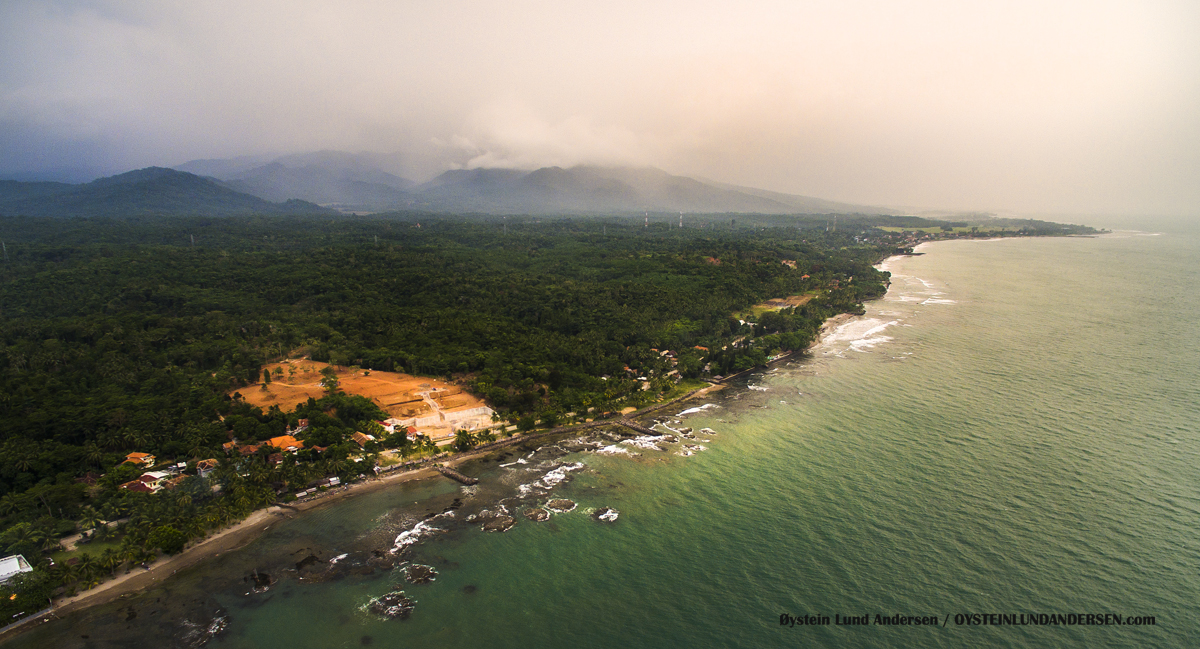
<point>508,134</point>
<point>1070,105</point>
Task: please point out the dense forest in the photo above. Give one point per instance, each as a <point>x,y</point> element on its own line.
<point>120,335</point>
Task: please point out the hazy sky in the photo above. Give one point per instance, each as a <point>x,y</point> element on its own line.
<point>1044,106</point>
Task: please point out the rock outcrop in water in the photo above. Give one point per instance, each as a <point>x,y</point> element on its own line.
<point>499,524</point>
<point>560,505</point>
<point>606,515</point>
<point>537,514</point>
<point>393,605</point>
<point>419,574</point>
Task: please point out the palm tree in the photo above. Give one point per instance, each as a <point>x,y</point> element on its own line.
<point>197,448</point>
<point>335,466</point>
<point>193,527</point>
<point>90,518</point>
<point>93,454</point>
<point>87,567</point>
<point>49,544</point>
<point>24,533</point>
<point>110,560</point>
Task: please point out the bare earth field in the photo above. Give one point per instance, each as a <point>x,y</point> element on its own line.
<point>435,407</point>
<point>778,303</point>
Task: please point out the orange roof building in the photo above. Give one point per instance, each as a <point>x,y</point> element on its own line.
<point>286,443</point>
<point>139,458</point>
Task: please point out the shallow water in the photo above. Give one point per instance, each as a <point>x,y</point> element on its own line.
<point>1011,430</point>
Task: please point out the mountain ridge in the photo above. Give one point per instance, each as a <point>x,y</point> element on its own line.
<point>363,183</point>
<point>141,192</point>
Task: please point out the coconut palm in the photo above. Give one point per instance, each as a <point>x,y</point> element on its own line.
<point>90,518</point>
<point>88,568</point>
<point>8,504</point>
<point>110,560</point>
<point>50,544</point>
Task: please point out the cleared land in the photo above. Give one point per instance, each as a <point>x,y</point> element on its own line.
<point>434,407</point>
<point>778,303</point>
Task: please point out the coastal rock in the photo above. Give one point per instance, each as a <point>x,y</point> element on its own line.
<point>196,635</point>
<point>261,581</point>
<point>499,524</point>
<point>537,514</point>
<point>490,514</point>
<point>308,561</point>
<point>382,560</point>
<point>393,605</point>
<point>419,574</point>
<point>560,505</point>
<point>605,515</point>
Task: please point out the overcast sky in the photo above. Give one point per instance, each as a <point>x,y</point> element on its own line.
<point>1047,107</point>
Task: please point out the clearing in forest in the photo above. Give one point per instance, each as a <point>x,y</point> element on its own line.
<point>778,303</point>
<point>435,408</point>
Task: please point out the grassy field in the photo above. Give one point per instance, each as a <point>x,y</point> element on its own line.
<point>95,548</point>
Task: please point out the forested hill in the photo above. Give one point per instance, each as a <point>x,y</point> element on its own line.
<point>152,191</point>
<point>126,341</point>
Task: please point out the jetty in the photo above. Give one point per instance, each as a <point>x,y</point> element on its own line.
<point>632,425</point>
<point>455,475</point>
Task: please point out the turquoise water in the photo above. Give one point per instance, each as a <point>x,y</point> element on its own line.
<point>1013,429</point>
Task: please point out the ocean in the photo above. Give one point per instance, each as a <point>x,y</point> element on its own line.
<point>1003,446</point>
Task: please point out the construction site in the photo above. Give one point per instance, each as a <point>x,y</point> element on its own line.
<point>434,408</point>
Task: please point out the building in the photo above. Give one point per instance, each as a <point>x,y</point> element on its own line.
<point>12,566</point>
<point>145,459</point>
<point>149,482</point>
<point>205,467</point>
<point>286,443</point>
<point>362,438</point>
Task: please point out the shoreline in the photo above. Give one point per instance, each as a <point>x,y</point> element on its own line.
<point>260,521</point>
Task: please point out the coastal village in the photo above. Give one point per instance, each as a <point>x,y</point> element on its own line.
<point>422,409</point>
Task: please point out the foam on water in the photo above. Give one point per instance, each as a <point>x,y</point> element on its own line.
<point>615,449</point>
<point>419,531</point>
<point>645,442</point>
<point>698,409</point>
<point>551,479</point>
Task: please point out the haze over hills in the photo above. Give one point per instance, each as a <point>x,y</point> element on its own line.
<point>331,181</point>
<point>360,182</point>
<point>144,192</point>
<point>353,181</point>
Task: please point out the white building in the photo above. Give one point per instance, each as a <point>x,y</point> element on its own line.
<point>13,566</point>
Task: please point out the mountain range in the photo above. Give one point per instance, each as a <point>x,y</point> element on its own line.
<point>145,192</point>
<point>363,183</point>
<point>330,181</point>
